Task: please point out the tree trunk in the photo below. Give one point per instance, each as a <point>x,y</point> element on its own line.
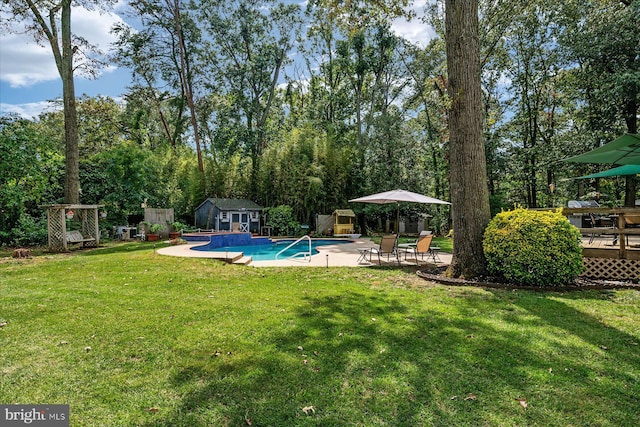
<point>185,77</point>
<point>468,171</point>
<point>65,67</point>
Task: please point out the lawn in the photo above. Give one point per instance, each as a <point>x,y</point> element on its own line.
<point>127,337</point>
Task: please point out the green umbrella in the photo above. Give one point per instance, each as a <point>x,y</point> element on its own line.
<point>624,150</point>
<point>619,171</point>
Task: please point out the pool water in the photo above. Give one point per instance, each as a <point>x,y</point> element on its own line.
<point>268,251</point>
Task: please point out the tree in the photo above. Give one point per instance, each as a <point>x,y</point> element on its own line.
<point>468,174</point>
<point>163,52</point>
<point>427,66</point>
<point>30,174</point>
<point>603,38</point>
<point>250,41</point>
<point>144,53</point>
<point>51,21</point>
<point>534,53</point>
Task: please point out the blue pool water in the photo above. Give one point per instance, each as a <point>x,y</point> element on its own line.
<point>266,249</point>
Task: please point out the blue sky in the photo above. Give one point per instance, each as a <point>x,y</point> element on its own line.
<point>28,76</point>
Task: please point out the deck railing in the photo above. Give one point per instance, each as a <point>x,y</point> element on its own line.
<point>621,222</point>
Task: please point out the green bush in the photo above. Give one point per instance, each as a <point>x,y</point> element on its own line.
<point>29,231</point>
<point>533,248</point>
<point>282,220</point>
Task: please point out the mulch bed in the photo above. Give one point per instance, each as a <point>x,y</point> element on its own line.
<point>581,283</point>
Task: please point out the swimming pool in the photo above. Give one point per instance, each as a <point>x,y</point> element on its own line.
<point>266,249</point>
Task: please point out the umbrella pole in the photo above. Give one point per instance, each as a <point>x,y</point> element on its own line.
<point>398,220</point>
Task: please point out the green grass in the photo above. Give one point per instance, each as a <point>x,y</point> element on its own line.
<point>127,337</point>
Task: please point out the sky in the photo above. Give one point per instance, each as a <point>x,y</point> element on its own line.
<point>29,78</point>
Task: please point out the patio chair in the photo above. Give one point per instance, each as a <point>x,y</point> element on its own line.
<point>595,221</point>
<point>631,221</point>
<point>422,234</point>
<point>388,247</point>
<point>422,248</point>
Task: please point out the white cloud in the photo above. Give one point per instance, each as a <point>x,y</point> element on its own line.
<point>416,31</point>
<point>24,63</point>
<point>30,110</point>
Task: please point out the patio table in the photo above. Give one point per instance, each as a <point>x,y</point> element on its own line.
<point>363,254</point>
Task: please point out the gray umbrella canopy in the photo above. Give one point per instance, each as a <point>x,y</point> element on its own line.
<point>397,196</point>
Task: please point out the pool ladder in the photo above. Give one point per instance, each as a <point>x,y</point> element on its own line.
<point>305,254</point>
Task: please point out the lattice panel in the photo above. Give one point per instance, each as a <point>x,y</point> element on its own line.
<point>86,215</point>
<point>609,268</point>
<point>88,219</point>
<point>57,229</point>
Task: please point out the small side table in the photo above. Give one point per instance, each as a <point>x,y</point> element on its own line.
<point>363,254</point>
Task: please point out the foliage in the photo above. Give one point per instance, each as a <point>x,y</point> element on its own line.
<point>306,171</point>
<point>123,177</point>
<point>282,220</point>
<point>178,226</point>
<point>155,228</point>
<point>140,339</point>
<point>30,175</point>
<point>50,22</point>
<point>29,231</point>
<point>533,248</point>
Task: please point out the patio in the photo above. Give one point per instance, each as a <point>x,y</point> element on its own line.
<point>342,255</point>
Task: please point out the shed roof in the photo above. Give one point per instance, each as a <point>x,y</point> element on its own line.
<point>344,212</point>
<point>232,204</point>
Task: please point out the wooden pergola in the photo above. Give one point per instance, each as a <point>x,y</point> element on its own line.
<point>59,236</point>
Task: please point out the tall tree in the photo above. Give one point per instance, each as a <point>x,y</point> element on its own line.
<point>468,174</point>
<point>142,52</point>
<point>533,50</point>
<point>182,26</point>
<point>50,21</point>
<point>604,40</point>
<point>250,41</point>
<point>163,52</point>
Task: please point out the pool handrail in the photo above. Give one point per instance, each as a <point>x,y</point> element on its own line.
<point>298,253</point>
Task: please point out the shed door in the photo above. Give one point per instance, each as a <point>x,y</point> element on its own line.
<point>244,222</point>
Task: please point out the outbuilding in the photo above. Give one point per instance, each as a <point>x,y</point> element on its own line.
<point>218,214</point>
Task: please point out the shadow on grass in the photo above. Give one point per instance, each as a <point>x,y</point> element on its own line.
<point>382,360</point>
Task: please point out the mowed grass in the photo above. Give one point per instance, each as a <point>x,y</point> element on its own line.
<point>127,337</point>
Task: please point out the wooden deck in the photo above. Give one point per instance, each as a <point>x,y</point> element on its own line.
<point>611,249</point>
<point>616,235</point>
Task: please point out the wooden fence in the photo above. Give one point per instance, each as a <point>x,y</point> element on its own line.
<point>158,216</point>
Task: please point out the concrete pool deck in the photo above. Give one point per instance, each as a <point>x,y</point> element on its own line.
<point>341,255</point>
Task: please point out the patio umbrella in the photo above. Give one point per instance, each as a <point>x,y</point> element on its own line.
<point>619,171</point>
<point>624,150</point>
<point>397,196</point>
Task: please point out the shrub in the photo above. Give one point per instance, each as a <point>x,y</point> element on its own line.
<point>179,226</point>
<point>29,231</point>
<point>533,248</point>
<point>282,220</point>
<point>155,228</point>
